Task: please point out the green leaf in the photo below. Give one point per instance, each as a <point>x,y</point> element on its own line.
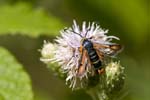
<point>15,84</point>
<point>21,18</point>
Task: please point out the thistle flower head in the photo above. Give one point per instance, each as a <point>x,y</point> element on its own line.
<point>66,51</point>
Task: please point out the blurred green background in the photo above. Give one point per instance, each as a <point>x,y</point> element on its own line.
<point>24,24</point>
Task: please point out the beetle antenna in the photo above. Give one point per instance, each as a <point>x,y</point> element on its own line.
<point>74,32</point>
<point>86,32</point>
<point>77,33</point>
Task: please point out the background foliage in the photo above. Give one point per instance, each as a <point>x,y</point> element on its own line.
<point>24,24</point>
<point>14,82</point>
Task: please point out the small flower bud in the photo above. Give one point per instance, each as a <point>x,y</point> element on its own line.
<point>47,52</point>
<point>114,75</point>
